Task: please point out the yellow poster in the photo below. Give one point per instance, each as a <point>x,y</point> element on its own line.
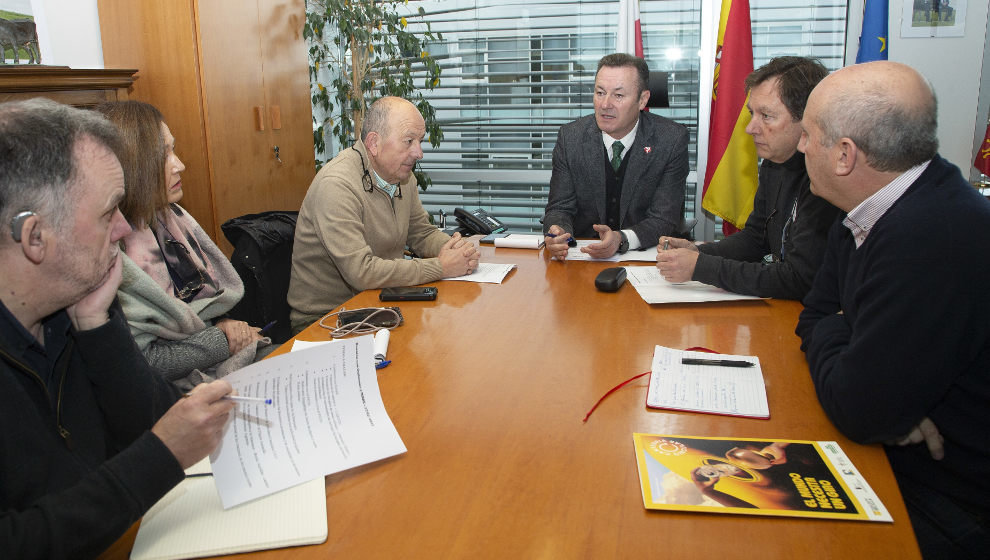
<point>791,478</point>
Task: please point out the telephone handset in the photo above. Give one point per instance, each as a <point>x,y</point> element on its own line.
<point>478,221</point>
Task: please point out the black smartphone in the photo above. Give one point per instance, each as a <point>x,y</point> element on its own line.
<point>377,316</point>
<point>408,294</point>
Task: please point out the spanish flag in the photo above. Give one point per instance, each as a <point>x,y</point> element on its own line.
<point>982,161</point>
<point>731,175</point>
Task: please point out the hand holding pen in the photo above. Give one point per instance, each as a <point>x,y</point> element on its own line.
<point>667,243</point>
<point>193,427</point>
<point>676,259</point>
<point>558,241</point>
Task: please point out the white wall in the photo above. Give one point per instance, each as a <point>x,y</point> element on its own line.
<point>69,32</point>
<point>952,64</point>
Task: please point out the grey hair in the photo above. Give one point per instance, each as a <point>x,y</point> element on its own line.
<point>376,118</point>
<point>893,135</point>
<point>37,162</point>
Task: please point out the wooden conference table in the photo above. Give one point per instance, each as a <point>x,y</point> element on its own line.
<point>488,387</point>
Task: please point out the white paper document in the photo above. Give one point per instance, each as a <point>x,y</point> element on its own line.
<point>715,389</point>
<point>327,417</point>
<point>575,254</point>
<point>654,289</point>
<point>298,345</point>
<point>490,273</point>
<point>520,241</point>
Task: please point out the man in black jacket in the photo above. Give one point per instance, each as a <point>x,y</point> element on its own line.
<point>781,247</point>
<point>92,436</point>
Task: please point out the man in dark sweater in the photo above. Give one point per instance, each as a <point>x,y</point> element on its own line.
<point>895,326</point>
<point>781,247</point>
<point>92,436</point>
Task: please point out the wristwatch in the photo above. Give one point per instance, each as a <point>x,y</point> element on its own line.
<point>624,243</point>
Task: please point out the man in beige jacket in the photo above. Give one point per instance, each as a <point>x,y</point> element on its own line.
<point>360,213</point>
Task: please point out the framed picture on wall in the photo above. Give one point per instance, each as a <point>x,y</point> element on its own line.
<point>933,18</point>
<point>18,33</point>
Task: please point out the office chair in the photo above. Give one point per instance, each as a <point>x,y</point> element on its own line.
<point>659,99</point>
<point>263,259</point>
<point>658,90</point>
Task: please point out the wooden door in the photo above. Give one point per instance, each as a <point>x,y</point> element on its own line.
<point>159,39</point>
<point>287,87</point>
<point>234,98</point>
<point>256,94</point>
<point>232,79</point>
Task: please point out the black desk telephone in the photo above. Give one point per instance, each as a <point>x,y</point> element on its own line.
<point>478,221</point>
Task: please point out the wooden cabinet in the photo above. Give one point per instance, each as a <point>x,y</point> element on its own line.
<point>232,79</point>
<point>81,88</point>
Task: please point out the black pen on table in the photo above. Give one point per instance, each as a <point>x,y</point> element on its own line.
<point>724,363</point>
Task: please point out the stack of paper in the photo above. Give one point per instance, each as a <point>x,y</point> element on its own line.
<point>648,254</point>
<point>267,487</point>
<point>520,241</point>
<point>327,416</point>
<point>491,273</point>
<point>654,289</point>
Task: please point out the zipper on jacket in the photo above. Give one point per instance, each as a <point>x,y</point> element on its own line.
<point>62,432</point>
<point>66,436</point>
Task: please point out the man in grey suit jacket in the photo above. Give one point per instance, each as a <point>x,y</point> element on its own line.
<point>619,173</point>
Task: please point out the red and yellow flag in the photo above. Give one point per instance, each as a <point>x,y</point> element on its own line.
<point>731,175</point>
<point>982,162</point>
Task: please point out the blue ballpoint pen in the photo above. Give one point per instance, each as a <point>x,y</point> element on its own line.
<point>240,399</point>
<point>569,238</point>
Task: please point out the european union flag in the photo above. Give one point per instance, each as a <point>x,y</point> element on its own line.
<point>873,39</point>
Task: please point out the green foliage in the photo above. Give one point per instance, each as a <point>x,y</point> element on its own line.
<point>361,50</point>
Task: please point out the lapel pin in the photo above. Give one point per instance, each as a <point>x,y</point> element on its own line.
<point>648,149</point>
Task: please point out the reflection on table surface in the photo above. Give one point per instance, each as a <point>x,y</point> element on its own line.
<point>488,386</point>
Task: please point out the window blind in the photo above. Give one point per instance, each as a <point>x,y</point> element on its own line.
<point>514,71</point>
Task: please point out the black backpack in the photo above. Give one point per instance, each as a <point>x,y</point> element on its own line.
<point>263,259</point>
